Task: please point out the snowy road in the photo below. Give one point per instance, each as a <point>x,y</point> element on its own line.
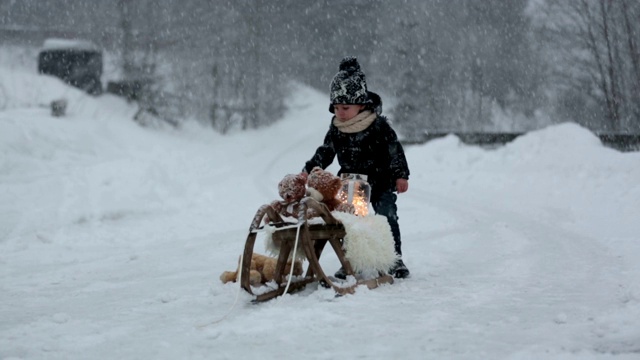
<point>113,238</point>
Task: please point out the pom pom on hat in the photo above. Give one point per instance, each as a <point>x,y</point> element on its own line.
<point>349,64</point>
<point>349,85</point>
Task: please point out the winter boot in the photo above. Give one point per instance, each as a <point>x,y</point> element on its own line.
<point>399,270</point>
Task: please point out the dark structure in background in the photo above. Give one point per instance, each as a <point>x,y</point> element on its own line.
<point>490,140</point>
<point>77,62</point>
<point>132,90</point>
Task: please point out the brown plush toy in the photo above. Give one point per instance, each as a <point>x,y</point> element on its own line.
<point>292,189</point>
<point>324,187</point>
<point>263,269</point>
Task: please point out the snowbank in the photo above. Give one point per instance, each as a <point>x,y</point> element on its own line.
<point>112,238</point>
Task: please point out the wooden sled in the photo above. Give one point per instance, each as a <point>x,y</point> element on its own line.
<point>312,240</point>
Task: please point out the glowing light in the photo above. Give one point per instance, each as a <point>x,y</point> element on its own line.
<point>355,191</point>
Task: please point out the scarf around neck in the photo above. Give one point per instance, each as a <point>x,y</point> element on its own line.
<point>357,124</point>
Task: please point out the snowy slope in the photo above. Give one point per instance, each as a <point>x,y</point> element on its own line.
<point>112,238</point>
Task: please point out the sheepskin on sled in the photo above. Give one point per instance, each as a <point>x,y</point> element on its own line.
<point>368,245</point>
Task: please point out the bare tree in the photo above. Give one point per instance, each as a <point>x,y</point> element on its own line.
<point>631,31</point>
<point>599,41</point>
<point>124,9</point>
<point>452,63</point>
<point>445,64</point>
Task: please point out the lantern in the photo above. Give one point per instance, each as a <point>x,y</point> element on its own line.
<point>356,191</point>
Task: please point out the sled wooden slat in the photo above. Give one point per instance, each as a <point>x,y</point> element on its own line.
<point>312,239</point>
<point>316,231</point>
<point>296,286</point>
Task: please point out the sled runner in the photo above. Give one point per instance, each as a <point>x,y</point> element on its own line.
<point>312,239</point>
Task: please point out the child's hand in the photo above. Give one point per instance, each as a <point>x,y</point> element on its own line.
<point>402,185</point>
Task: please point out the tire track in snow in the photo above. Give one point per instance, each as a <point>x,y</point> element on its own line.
<point>562,264</point>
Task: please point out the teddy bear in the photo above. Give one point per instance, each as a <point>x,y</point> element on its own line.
<point>324,187</point>
<point>292,188</point>
<point>263,270</point>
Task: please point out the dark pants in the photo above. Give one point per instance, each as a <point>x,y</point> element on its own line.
<point>385,205</point>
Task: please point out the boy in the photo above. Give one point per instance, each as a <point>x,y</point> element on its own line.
<point>365,143</point>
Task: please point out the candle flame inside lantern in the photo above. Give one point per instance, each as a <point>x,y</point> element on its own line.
<point>355,191</point>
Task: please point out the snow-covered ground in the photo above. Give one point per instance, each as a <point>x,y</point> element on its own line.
<point>112,238</point>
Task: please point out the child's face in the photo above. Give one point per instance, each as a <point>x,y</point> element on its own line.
<point>346,112</point>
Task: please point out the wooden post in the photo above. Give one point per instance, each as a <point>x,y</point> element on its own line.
<point>58,107</point>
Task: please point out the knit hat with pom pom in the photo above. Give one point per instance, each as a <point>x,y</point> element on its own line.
<point>349,85</point>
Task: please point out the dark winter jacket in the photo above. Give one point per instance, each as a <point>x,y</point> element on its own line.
<point>375,152</point>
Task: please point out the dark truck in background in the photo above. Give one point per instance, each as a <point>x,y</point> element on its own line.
<point>76,62</point>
